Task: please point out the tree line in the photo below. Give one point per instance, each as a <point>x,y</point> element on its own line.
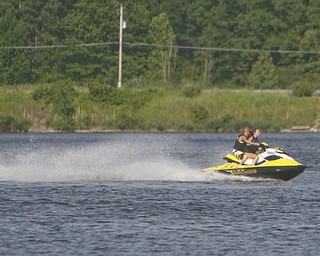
<point>263,44</point>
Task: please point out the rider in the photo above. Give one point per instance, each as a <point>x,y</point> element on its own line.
<point>251,148</point>
<point>241,141</point>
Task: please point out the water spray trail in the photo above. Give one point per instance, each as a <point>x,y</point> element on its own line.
<point>124,158</point>
<point>109,162</point>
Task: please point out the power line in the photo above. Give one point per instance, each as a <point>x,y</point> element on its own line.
<point>214,49</point>
<point>29,47</point>
<point>209,49</point>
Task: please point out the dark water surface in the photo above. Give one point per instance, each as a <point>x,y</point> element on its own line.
<point>144,194</point>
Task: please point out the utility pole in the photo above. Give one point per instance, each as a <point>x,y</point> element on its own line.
<point>120,47</point>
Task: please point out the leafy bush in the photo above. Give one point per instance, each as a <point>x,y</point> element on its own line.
<point>186,127</point>
<point>199,114</point>
<point>302,89</point>
<point>191,91</point>
<point>61,96</point>
<point>84,122</point>
<point>266,126</point>
<point>213,125</point>
<point>227,124</point>
<point>112,96</point>
<point>161,127</point>
<point>125,121</point>
<point>23,125</point>
<point>63,124</point>
<point>10,124</point>
<point>7,123</point>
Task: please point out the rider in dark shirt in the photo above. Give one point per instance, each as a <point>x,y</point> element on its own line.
<point>250,149</point>
<point>239,146</point>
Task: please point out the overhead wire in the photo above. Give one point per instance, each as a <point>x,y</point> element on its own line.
<point>200,48</point>
<point>214,49</point>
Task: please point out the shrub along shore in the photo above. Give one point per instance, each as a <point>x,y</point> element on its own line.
<point>61,107</point>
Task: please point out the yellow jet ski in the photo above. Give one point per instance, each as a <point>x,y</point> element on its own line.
<point>273,163</point>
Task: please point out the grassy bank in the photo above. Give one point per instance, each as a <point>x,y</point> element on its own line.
<point>156,110</point>
<point>229,111</point>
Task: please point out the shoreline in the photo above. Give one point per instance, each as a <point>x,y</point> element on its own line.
<point>291,130</point>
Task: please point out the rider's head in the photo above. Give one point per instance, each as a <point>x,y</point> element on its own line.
<point>256,132</point>
<point>246,131</point>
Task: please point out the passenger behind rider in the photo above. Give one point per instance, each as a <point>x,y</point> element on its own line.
<point>239,146</point>
<point>251,148</point>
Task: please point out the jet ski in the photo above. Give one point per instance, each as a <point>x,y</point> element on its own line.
<point>273,163</point>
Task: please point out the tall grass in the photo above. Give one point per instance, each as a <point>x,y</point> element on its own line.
<point>168,109</point>
<point>230,111</point>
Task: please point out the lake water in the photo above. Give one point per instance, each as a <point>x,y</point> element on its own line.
<point>145,194</point>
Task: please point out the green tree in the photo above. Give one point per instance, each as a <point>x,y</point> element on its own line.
<point>30,23</point>
<point>263,73</point>
<point>256,24</point>
<point>91,22</point>
<point>293,17</point>
<point>15,65</point>
<point>222,17</point>
<point>137,19</point>
<point>98,22</point>
<point>162,36</point>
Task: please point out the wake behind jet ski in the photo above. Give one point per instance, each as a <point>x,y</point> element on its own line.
<point>273,163</point>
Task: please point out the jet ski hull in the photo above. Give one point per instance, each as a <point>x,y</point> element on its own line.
<point>285,170</point>
<point>273,163</point>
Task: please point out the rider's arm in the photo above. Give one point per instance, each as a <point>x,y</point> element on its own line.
<point>249,142</point>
